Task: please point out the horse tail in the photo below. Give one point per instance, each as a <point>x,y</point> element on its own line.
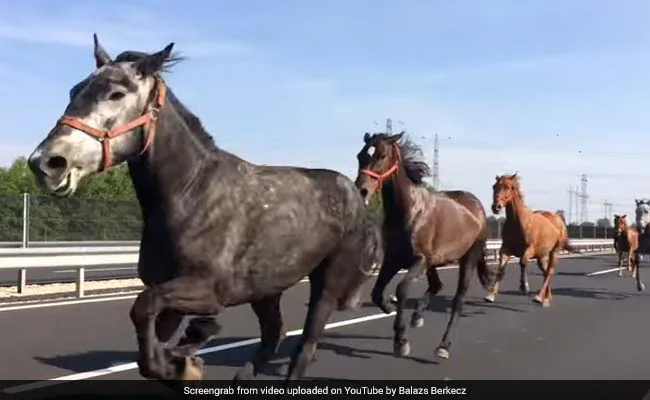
<point>564,244</point>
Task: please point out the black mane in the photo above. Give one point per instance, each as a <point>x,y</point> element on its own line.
<point>193,122</point>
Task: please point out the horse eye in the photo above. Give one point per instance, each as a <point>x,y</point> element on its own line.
<point>115,96</point>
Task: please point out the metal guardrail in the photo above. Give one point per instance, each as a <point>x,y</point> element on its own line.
<point>59,244</point>
<point>81,258</point>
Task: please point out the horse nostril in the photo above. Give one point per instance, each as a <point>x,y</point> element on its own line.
<point>364,192</point>
<point>56,163</point>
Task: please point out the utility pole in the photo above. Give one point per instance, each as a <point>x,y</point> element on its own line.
<point>570,205</point>
<point>608,209</point>
<point>583,198</point>
<point>576,197</point>
<point>389,126</point>
<point>436,170</point>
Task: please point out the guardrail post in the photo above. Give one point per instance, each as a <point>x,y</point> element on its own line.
<point>81,272</point>
<point>25,220</point>
<point>22,281</point>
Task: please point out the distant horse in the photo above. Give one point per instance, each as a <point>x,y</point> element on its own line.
<point>527,234</point>
<point>218,230</point>
<point>422,231</point>
<point>626,242</point>
<point>642,220</point>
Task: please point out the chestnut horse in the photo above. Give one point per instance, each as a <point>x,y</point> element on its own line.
<point>626,241</point>
<point>422,231</point>
<point>527,234</point>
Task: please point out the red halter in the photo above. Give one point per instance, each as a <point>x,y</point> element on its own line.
<point>389,172</point>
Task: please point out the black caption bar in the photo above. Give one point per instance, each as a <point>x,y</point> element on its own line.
<point>329,389</point>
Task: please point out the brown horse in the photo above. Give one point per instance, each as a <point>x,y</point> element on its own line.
<point>527,234</point>
<point>626,241</point>
<point>422,231</point>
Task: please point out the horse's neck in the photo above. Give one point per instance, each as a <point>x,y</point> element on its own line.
<point>163,177</point>
<point>397,199</point>
<point>517,212</point>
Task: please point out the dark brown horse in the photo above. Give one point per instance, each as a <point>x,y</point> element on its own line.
<point>529,235</point>
<point>423,230</point>
<point>626,243</point>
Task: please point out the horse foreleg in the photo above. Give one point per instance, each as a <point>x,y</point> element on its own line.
<point>465,270</point>
<point>503,260</point>
<point>269,315</point>
<point>524,287</point>
<point>184,295</point>
<point>401,346</point>
<point>544,264</point>
<point>435,285</point>
<point>639,284</point>
<point>620,263</point>
<point>389,268</point>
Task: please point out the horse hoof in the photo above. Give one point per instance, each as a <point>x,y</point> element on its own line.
<point>193,369</point>
<point>402,350</point>
<point>417,322</point>
<point>245,373</point>
<point>537,299</point>
<point>443,353</point>
<point>546,303</point>
<point>489,298</point>
<point>524,290</point>
<point>393,299</point>
<point>640,287</point>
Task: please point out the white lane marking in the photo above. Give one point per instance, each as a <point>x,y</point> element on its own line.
<point>67,303</point>
<point>83,301</point>
<point>214,349</point>
<point>74,271</point>
<point>605,271</point>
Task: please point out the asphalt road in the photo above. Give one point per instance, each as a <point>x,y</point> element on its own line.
<point>66,275</point>
<point>596,328</point>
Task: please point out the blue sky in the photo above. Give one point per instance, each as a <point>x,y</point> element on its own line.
<point>551,88</point>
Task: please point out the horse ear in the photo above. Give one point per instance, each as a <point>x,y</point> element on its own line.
<point>396,138</point>
<point>513,176</point>
<point>623,216</point>
<point>496,178</point>
<point>366,137</point>
<point>637,201</point>
<point>101,56</point>
<point>153,63</point>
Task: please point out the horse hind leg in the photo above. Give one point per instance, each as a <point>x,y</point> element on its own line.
<point>546,265</point>
<point>467,265</point>
<point>269,315</point>
<point>435,285</point>
<point>322,301</point>
<point>184,295</point>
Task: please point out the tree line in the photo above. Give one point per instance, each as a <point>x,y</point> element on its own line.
<point>105,208</point>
